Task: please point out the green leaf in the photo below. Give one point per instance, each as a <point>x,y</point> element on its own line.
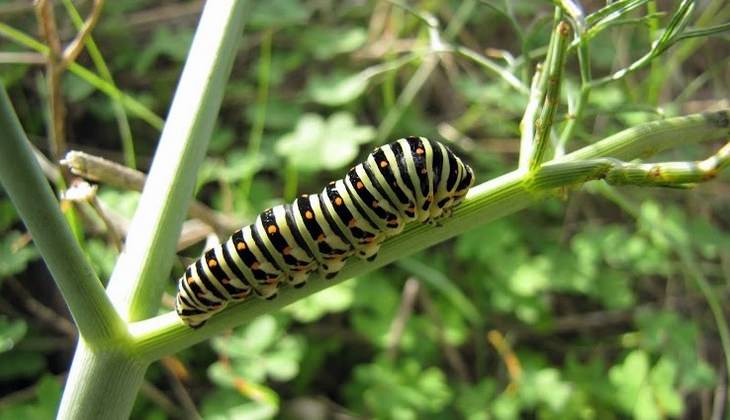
<point>48,392</point>
<point>630,378</point>
<point>331,300</point>
<point>225,404</point>
<point>8,216</point>
<point>318,144</point>
<point>123,202</point>
<point>327,42</point>
<point>473,401</point>
<point>403,390</point>
<point>102,257</point>
<point>14,257</point>
<point>662,378</point>
<point>532,277</point>
<point>21,364</point>
<point>164,43</point>
<point>337,89</point>
<point>279,13</point>
<point>11,332</point>
<point>646,392</point>
<point>280,114</point>
<point>44,406</point>
<point>238,165</point>
<point>259,350</point>
<point>251,340</point>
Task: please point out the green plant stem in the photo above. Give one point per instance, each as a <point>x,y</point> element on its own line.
<point>135,286</point>
<point>670,36</point>
<point>24,182</point>
<point>544,123</point>
<point>490,65</point>
<point>101,385</point>
<point>536,97</point>
<point>576,114</point>
<point>488,201</point>
<point>104,380</point>
<point>417,81</point>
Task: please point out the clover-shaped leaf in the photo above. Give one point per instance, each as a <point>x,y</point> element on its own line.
<point>337,89</point>
<point>318,144</point>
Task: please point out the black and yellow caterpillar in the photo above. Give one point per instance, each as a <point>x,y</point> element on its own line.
<point>407,180</point>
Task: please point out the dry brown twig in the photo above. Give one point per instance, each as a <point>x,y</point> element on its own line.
<point>41,311</point>
<point>98,169</point>
<point>453,357</point>
<point>398,325</point>
<point>57,62</point>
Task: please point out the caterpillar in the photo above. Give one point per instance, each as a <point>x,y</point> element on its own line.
<point>411,179</point>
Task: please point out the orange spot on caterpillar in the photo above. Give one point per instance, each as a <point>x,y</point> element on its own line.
<point>359,185</point>
<point>424,171</point>
<point>225,280</point>
<point>351,223</point>
<point>271,229</point>
<point>256,265</point>
<point>286,250</point>
<point>308,215</point>
<point>420,151</point>
<point>212,263</point>
<point>190,280</point>
<point>320,238</point>
<point>240,246</point>
<point>375,205</point>
<point>338,201</point>
<point>383,163</point>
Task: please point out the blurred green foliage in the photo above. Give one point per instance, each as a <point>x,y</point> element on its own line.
<point>590,312</point>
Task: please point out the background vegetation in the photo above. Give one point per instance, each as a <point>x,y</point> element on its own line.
<point>590,305</point>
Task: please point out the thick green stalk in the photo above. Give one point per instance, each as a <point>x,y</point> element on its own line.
<point>104,380</point>
<point>24,182</point>
<point>135,286</point>
<point>101,385</point>
<point>488,201</point>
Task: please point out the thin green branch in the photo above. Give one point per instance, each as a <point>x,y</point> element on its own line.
<point>24,182</point>
<point>616,172</point>
<point>538,88</point>
<point>423,73</point>
<point>575,112</point>
<point>490,65</point>
<point>488,201</point>
<point>670,36</point>
<point>544,123</point>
